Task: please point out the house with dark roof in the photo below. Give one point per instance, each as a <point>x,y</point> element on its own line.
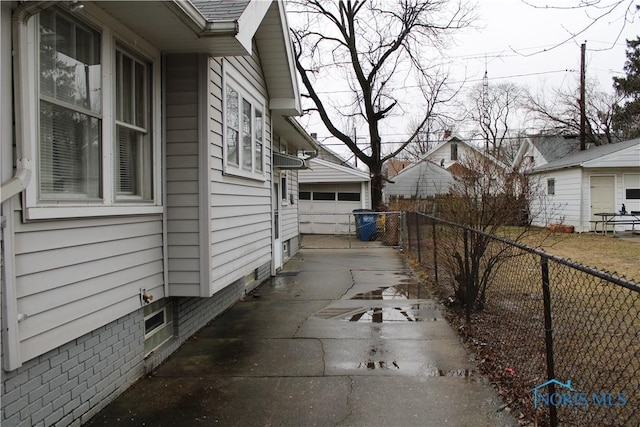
<point>149,175</point>
<point>573,188</point>
<point>538,150</point>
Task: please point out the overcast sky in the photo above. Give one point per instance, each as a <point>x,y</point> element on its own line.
<point>514,37</point>
<point>518,43</point>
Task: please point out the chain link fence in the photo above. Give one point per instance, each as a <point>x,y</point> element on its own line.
<point>560,340</point>
<point>360,229</point>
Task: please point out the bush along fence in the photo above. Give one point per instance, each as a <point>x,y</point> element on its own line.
<point>560,340</point>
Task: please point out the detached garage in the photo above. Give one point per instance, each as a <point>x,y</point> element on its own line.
<point>328,194</point>
<point>577,187</point>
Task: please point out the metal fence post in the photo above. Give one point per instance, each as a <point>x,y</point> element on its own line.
<point>418,238</point>
<point>467,276</point>
<point>349,235</point>
<point>435,250</point>
<point>548,337</point>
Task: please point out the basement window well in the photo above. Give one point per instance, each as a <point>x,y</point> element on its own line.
<point>158,324</point>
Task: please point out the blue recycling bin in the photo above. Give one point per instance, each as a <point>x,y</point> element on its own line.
<point>365,224</point>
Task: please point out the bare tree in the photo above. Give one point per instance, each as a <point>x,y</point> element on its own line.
<point>623,12</point>
<point>561,114</point>
<point>433,131</point>
<point>487,199</point>
<point>493,111</point>
<point>376,48</point>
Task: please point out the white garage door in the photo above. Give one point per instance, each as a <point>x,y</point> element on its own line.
<point>326,209</point>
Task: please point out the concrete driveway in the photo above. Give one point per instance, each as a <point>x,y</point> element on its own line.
<point>342,337</point>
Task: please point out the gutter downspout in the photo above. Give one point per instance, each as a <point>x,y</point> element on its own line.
<point>11,317</point>
<point>24,163</point>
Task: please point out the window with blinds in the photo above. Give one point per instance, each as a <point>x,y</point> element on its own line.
<point>244,133</point>
<point>133,144</point>
<point>75,161</point>
<point>70,149</point>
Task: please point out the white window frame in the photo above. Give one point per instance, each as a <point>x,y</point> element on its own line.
<point>232,78</point>
<point>112,34</point>
<point>284,191</point>
<point>551,186</point>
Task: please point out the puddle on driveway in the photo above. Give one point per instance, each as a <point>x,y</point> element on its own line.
<point>401,291</point>
<point>387,314</point>
<point>370,365</point>
<point>398,314</point>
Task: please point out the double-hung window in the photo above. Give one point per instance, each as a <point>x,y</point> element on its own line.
<point>95,146</point>
<point>244,138</point>
<point>70,155</point>
<point>133,153</point>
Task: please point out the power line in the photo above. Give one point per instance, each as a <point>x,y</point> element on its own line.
<point>539,73</point>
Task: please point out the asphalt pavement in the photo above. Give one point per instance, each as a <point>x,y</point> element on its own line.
<point>341,337</point>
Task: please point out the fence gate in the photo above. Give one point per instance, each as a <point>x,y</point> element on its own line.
<point>364,229</point>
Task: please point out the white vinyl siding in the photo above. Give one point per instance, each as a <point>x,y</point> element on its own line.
<point>182,174</point>
<point>288,210</point>
<point>240,208</point>
<point>73,277</point>
<point>564,205</point>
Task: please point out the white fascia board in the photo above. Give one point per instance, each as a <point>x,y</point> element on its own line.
<point>249,22</point>
<point>286,106</point>
<point>288,45</point>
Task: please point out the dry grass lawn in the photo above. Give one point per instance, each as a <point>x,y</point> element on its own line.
<point>604,252</point>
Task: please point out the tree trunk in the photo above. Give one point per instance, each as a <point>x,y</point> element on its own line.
<point>376,187</point>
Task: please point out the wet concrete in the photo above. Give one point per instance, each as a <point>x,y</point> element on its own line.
<point>338,338</point>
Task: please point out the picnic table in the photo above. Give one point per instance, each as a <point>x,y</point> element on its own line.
<point>612,218</point>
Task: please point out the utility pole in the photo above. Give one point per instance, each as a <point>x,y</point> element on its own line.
<point>485,108</point>
<point>583,119</point>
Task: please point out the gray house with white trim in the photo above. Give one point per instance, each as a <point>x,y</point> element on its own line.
<point>142,186</point>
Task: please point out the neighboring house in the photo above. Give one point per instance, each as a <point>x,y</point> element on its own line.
<point>395,166</point>
<point>421,180</point>
<point>450,152</point>
<point>147,184</point>
<point>575,187</point>
<point>433,173</point>
<point>538,150</point>
<point>329,193</point>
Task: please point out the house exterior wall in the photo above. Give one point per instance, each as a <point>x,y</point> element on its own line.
<point>78,281</point>
<point>71,383</point>
<point>564,205</point>
<point>182,174</point>
<point>443,153</point>
<point>289,208</point>
<point>571,203</point>
<point>240,208</point>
